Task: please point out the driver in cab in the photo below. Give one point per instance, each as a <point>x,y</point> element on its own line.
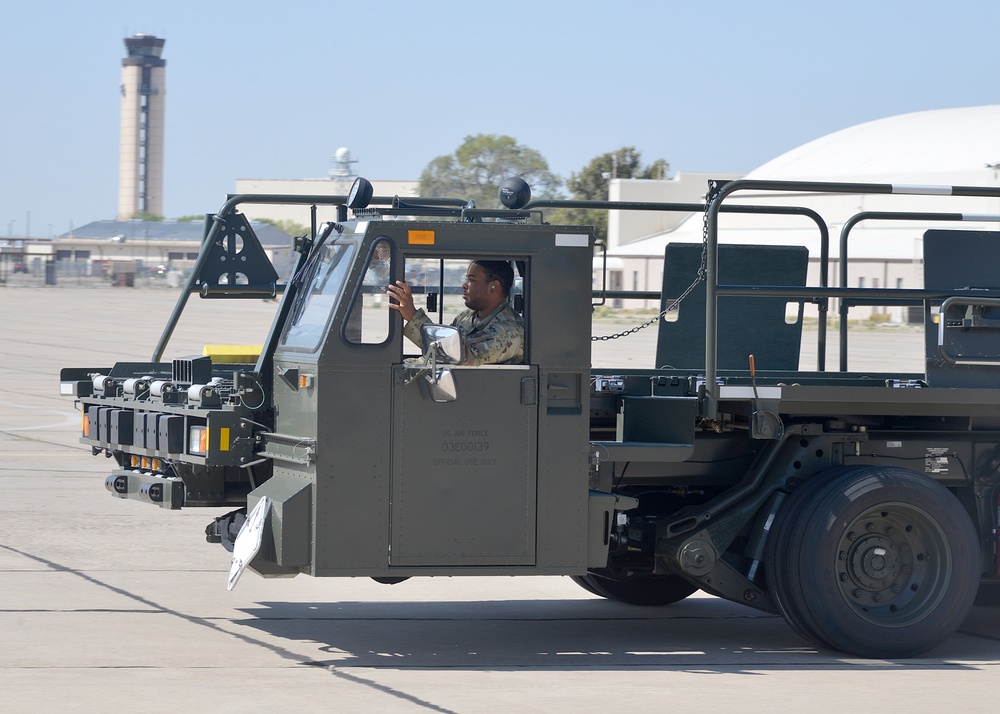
<point>492,331</point>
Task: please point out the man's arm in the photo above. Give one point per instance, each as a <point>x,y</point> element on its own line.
<point>414,318</point>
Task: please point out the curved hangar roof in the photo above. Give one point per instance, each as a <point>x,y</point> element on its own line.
<point>939,146</point>
<point>952,147</point>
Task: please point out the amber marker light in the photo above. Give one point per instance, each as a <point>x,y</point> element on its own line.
<point>420,237</point>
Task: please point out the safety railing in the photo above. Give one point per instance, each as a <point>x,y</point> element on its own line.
<point>720,191</point>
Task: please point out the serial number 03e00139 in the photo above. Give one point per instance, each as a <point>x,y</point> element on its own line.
<point>463,441</point>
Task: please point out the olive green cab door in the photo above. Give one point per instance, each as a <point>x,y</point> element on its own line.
<point>464,471</point>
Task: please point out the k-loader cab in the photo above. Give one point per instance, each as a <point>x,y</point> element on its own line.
<point>861,506</point>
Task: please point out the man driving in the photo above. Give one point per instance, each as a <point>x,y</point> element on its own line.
<point>491,329</point>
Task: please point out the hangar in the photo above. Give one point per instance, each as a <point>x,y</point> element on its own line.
<point>941,147</point>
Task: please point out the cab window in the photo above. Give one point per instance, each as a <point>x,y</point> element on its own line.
<point>436,285</point>
<point>369,318</point>
<point>322,285</point>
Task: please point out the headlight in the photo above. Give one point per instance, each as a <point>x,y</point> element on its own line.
<point>198,440</point>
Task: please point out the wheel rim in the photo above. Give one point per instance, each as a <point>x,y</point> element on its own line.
<point>894,564</point>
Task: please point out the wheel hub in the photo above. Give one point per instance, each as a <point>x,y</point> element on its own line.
<point>874,562</point>
<point>876,557</point>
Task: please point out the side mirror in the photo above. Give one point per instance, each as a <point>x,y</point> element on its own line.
<point>445,341</point>
<point>442,344</point>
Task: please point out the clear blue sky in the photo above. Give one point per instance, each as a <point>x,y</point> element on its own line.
<point>271,90</point>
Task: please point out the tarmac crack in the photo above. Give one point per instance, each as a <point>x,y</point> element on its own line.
<point>200,621</point>
<point>339,673</point>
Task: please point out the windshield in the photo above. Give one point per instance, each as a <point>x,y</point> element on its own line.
<point>322,286</point>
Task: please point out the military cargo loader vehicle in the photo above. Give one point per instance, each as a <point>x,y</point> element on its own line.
<point>862,506</point>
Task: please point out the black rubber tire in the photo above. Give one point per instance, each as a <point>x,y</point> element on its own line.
<point>584,582</point>
<point>877,561</point>
<point>780,542</point>
<point>646,590</point>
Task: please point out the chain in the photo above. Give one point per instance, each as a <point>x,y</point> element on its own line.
<point>713,188</point>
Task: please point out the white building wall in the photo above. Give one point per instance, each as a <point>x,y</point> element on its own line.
<point>130,138</point>
<point>128,152</point>
<point>627,226</point>
<point>156,120</point>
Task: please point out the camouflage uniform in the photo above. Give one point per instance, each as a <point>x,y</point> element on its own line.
<point>496,339</point>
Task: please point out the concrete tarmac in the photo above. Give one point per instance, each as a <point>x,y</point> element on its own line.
<point>110,605</point>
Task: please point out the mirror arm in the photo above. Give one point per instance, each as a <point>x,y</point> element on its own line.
<point>427,364</point>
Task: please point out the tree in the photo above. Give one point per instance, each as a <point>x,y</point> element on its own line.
<point>286,224</point>
<point>480,164</point>
<point>592,183</point>
<point>146,216</point>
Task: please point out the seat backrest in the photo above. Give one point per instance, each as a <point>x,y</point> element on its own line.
<point>962,261</point>
<point>747,325</point>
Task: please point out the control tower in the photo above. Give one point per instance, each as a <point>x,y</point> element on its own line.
<point>140,160</point>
